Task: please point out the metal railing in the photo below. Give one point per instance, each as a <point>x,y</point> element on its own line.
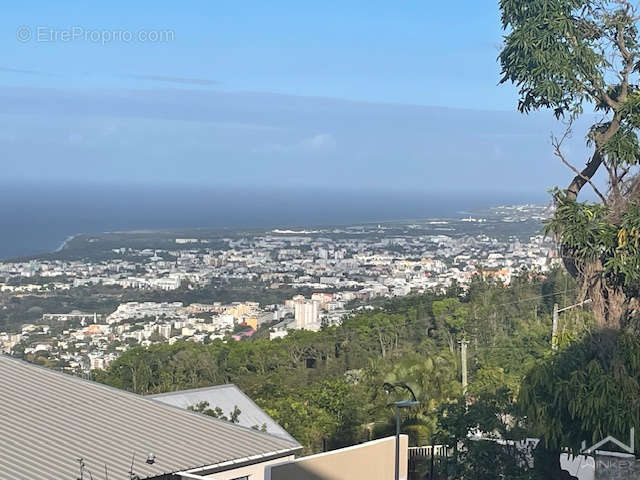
<point>428,451</point>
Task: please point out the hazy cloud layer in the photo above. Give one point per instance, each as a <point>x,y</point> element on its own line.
<point>179,80</point>
<point>24,72</point>
<point>264,139</point>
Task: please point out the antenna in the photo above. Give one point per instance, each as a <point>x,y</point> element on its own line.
<point>81,462</point>
<point>133,459</point>
<point>133,476</point>
<point>82,467</point>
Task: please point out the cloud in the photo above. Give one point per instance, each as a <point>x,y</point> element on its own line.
<point>24,72</point>
<point>199,134</point>
<point>180,80</point>
<point>75,139</point>
<point>319,142</point>
<point>315,143</point>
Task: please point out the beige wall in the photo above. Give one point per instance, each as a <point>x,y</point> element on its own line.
<point>371,461</point>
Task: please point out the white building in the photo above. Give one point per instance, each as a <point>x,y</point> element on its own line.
<point>307,314</point>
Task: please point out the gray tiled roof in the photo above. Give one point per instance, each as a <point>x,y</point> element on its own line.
<point>49,419</point>
<point>226,397</point>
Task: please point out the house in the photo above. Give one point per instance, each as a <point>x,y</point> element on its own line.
<point>55,426</point>
<point>227,398</point>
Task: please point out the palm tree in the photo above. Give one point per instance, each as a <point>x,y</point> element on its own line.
<point>433,379</point>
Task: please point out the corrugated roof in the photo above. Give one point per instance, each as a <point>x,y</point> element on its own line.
<point>226,397</point>
<point>49,419</point>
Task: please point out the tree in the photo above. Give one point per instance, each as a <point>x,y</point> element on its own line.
<point>585,393</point>
<point>216,412</point>
<point>454,316</point>
<point>155,337</point>
<point>433,379</point>
<point>568,55</point>
<point>309,424</point>
<point>338,399</point>
<point>496,455</point>
<point>379,328</point>
<point>234,414</point>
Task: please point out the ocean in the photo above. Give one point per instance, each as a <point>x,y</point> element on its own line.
<point>37,218</point>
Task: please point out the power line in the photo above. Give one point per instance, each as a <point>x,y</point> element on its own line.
<point>494,308</point>
<point>345,334</point>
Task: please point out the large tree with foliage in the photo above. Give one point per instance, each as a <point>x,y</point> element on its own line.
<point>586,392</point>
<point>572,56</point>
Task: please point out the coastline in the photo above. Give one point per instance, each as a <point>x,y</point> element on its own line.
<point>32,248</point>
<point>64,243</point>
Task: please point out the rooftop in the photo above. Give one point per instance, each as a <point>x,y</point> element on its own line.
<point>226,397</point>
<point>48,420</point>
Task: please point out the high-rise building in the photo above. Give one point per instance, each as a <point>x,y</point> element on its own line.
<point>307,314</point>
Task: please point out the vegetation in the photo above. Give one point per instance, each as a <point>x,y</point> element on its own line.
<point>496,414</point>
<point>568,56</point>
<point>216,412</point>
<point>571,56</point>
<point>595,391</point>
<point>326,388</point>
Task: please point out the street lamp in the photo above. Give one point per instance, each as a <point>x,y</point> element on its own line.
<point>388,387</point>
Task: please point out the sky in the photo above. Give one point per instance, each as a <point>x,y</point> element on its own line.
<point>347,95</point>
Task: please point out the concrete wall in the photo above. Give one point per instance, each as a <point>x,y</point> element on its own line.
<point>371,461</point>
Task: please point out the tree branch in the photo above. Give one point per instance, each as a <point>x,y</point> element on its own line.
<point>629,61</point>
<point>583,177</point>
<point>623,174</point>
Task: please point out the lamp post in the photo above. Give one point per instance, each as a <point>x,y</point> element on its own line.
<point>399,405</point>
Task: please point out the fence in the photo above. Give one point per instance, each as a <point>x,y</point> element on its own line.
<point>425,461</point>
<point>427,451</point>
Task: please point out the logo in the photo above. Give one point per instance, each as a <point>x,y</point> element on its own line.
<point>629,449</point>
<point>23,33</point>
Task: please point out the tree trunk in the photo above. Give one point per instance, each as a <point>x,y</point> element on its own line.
<point>609,304</point>
<point>547,465</point>
<point>383,350</point>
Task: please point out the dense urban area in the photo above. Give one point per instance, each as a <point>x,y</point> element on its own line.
<point>82,307</point>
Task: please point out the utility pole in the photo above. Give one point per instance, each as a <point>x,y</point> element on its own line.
<point>554,328</point>
<point>463,355</point>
